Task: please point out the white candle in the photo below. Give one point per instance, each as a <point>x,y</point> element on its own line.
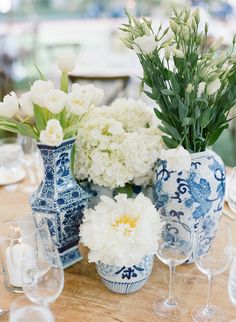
<point>14,257</point>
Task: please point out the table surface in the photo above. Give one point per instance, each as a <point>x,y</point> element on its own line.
<point>86,299</point>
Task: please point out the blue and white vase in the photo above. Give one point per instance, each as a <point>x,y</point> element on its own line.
<point>200,191</point>
<point>125,280</point>
<point>95,191</point>
<point>60,200</point>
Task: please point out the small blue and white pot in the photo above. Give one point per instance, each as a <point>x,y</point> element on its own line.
<point>125,280</point>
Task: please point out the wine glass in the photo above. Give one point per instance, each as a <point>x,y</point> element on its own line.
<point>232,191</point>
<point>232,283</point>
<point>42,271</point>
<point>212,263</point>
<point>175,247</point>
<point>24,310</point>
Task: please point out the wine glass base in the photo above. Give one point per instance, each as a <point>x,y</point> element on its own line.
<point>202,314</point>
<point>175,311</point>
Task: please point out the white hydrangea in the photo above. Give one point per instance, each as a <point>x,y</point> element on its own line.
<point>121,231</point>
<point>118,144</point>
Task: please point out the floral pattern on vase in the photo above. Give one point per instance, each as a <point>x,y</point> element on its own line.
<point>60,200</point>
<point>125,280</point>
<point>200,191</point>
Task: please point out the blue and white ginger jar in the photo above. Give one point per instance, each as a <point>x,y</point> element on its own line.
<point>60,200</point>
<point>200,191</point>
<point>125,280</point>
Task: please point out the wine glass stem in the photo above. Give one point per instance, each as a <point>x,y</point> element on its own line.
<point>170,299</point>
<point>210,281</point>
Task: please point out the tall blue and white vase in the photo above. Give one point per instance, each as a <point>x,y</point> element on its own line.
<point>199,191</point>
<point>125,280</point>
<point>60,200</point>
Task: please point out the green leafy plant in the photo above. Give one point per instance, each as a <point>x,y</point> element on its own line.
<point>193,85</point>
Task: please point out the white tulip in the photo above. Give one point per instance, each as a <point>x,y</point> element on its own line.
<point>66,61</point>
<point>38,89</point>
<point>145,44</point>
<point>213,86</point>
<point>9,107</point>
<point>26,104</point>
<point>53,134</point>
<point>82,97</point>
<point>177,159</point>
<point>201,89</point>
<point>55,100</point>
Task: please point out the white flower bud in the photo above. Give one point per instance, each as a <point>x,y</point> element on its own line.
<point>201,89</point>
<point>213,86</point>
<point>66,61</point>
<point>53,134</point>
<point>189,88</point>
<point>178,53</point>
<point>9,107</point>
<point>26,104</point>
<point>145,44</point>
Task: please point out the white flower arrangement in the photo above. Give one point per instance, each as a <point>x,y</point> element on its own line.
<point>121,231</point>
<point>48,114</point>
<point>118,144</point>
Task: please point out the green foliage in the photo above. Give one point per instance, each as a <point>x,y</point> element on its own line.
<point>194,87</point>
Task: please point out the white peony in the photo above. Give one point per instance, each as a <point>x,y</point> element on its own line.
<point>55,100</point>
<point>145,44</point>
<point>213,86</point>
<point>26,104</point>
<point>9,107</point>
<point>66,61</point>
<point>53,134</point>
<point>38,89</point>
<point>121,231</point>
<point>83,97</point>
<point>177,159</point>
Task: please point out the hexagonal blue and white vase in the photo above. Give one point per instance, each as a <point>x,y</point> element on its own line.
<point>199,192</point>
<point>125,280</point>
<point>60,200</point>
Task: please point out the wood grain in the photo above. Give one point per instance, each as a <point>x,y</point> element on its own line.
<point>85,299</point>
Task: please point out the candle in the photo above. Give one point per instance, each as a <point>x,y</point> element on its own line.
<point>14,257</point>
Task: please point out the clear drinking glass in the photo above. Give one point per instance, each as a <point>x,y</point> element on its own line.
<point>212,263</point>
<point>16,238</point>
<point>175,247</point>
<point>232,191</point>
<point>22,310</point>
<point>42,272</point>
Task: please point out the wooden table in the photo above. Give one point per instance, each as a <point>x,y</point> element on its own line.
<point>85,299</point>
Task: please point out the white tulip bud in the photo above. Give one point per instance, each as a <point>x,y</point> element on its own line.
<point>178,53</point>
<point>167,52</point>
<point>66,61</point>
<point>189,88</point>
<point>213,86</point>
<point>201,89</point>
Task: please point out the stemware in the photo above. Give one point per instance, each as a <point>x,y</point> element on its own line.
<point>175,247</point>
<point>212,263</point>
<point>232,191</point>
<point>42,271</point>
<point>232,283</point>
<point>24,310</point>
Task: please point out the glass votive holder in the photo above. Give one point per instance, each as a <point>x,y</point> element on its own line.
<point>17,239</point>
<point>23,309</point>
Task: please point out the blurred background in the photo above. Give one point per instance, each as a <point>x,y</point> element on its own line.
<point>34,31</point>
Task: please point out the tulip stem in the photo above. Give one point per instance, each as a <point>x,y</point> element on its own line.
<point>64,82</point>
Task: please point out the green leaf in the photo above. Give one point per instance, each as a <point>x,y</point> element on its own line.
<point>40,73</point>
<point>205,118</point>
<point>39,118</point>
<point>170,143</point>
<point>216,134</point>
<point>182,111</point>
<point>167,92</point>
<point>127,189</point>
